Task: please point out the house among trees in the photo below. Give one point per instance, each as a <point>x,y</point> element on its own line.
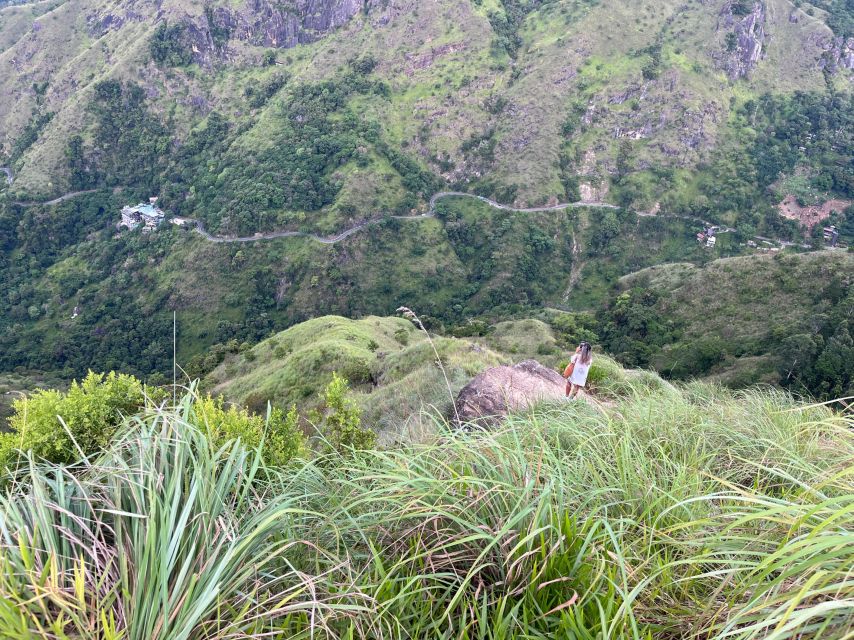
<point>146,214</point>
<point>707,237</point>
<point>831,235</point>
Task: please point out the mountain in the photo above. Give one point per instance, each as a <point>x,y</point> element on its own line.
<point>528,100</point>
<point>337,118</point>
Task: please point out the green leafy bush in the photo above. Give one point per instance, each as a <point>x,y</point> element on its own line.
<point>279,433</point>
<point>597,374</point>
<point>54,425</point>
<point>573,328</point>
<point>169,47</point>
<point>340,420</point>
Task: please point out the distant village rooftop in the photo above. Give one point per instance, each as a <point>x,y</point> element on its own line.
<point>146,214</point>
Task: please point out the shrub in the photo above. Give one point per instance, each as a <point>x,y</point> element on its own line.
<point>363,65</point>
<point>340,420</point>
<point>545,349</point>
<point>169,46</point>
<point>358,371</point>
<point>279,433</point>
<point>90,412</point>
<point>597,374</point>
<point>282,351</point>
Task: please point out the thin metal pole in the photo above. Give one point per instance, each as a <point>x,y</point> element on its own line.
<point>174,360</point>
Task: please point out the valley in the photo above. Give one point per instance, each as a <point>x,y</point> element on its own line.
<point>426,319</point>
<point>471,175</point>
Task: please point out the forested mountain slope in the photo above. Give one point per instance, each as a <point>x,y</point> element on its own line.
<point>315,116</point>
<point>787,319</point>
<point>527,101</point>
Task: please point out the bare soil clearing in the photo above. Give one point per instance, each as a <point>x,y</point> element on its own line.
<point>810,216</point>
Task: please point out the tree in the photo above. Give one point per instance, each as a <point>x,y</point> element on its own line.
<point>79,177</point>
<point>834,368</point>
<point>169,47</point>
<point>269,58</point>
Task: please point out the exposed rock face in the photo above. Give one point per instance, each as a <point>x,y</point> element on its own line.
<point>284,25</point>
<point>749,31</point>
<point>840,55</point>
<point>497,391</point>
<point>269,23</point>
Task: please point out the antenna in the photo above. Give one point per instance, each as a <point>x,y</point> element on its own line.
<point>174,360</point>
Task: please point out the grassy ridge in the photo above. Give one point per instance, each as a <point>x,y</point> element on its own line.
<point>390,365</point>
<point>671,512</point>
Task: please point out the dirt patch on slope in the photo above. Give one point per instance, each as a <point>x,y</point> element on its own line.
<point>811,215</point>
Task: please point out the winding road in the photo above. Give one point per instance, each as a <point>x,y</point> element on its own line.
<point>272,235</point>
<point>507,207</point>
<point>431,213</point>
<point>61,198</point>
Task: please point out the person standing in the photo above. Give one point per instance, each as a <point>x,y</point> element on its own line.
<point>577,369</point>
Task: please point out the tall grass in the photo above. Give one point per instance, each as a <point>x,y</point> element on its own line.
<point>685,512</point>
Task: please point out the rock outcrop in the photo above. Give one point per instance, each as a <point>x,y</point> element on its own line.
<point>840,55</point>
<point>499,390</point>
<point>269,23</point>
<point>747,40</point>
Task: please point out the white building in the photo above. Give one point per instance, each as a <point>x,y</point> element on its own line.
<point>144,214</point>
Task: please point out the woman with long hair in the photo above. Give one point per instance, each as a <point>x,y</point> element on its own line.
<point>576,371</point>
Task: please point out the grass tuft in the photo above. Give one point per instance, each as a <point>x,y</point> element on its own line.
<point>667,512</point>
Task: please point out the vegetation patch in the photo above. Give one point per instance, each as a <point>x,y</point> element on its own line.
<point>790,314</point>
<point>668,512</point>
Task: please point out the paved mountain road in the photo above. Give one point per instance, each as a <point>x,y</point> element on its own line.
<point>431,213</point>
<point>356,228</point>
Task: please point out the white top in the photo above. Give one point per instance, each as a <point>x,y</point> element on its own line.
<point>579,372</point>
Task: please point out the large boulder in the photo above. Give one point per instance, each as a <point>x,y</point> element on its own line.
<point>500,390</point>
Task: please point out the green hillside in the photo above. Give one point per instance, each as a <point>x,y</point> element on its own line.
<point>349,118</point>
<point>391,366</point>
<point>471,260</point>
<point>669,180</point>
<point>285,116</point>
<point>785,319</point>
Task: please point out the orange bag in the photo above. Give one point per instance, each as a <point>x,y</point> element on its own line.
<point>569,369</point>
